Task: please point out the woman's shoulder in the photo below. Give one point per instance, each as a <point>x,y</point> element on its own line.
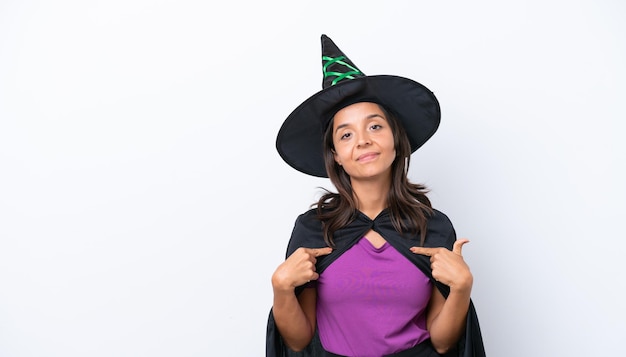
<point>440,217</point>
<point>440,230</point>
<point>307,217</point>
<point>307,232</point>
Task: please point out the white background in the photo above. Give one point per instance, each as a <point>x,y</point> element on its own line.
<point>143,206</point>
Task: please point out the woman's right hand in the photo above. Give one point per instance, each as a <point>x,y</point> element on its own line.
<point>298,268</point>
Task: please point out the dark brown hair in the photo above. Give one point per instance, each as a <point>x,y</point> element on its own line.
<point>408,205</point>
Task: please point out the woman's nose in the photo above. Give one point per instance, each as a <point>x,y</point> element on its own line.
<point>363,140</point>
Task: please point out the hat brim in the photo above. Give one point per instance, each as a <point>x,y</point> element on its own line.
<point>300,138</point>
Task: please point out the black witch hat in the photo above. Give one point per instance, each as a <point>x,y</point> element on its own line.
<point>300,138</point>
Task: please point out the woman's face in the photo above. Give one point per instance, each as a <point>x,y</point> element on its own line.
<point>363,141</point>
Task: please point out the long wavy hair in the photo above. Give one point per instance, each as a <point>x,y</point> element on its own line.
<point>408,205</point>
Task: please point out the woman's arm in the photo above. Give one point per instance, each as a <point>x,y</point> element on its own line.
<point>295,316</point>
<point>445,318</point>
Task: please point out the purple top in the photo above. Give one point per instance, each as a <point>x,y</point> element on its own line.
<point>372,302</point>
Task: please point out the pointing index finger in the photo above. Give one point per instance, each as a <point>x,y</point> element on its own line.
<point>424,251</point>
<point>321,251</point>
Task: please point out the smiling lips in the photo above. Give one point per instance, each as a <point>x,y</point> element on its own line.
<point>367,157</point>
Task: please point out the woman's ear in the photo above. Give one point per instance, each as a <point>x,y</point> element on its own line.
<point>335,156</point>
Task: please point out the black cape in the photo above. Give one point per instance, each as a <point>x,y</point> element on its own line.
<point>307,232</point>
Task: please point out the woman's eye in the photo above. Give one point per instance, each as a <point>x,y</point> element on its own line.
<point>376,126</point>
<point>345,136</point>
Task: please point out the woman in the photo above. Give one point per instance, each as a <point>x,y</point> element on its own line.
<point>362,265</point>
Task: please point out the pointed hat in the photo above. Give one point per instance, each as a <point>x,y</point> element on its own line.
<point>300,138</point>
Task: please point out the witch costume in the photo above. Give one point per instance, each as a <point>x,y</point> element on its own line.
<point>299,143</point>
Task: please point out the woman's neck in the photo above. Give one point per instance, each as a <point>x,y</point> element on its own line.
<point>371,197</point>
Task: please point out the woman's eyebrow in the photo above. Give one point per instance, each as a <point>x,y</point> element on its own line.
<point>341,126</point>
<point>371,116</point>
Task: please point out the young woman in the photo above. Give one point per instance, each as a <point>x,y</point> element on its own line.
<point>374,269</point>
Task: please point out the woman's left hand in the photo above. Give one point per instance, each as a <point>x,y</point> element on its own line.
<point>448,266</point>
